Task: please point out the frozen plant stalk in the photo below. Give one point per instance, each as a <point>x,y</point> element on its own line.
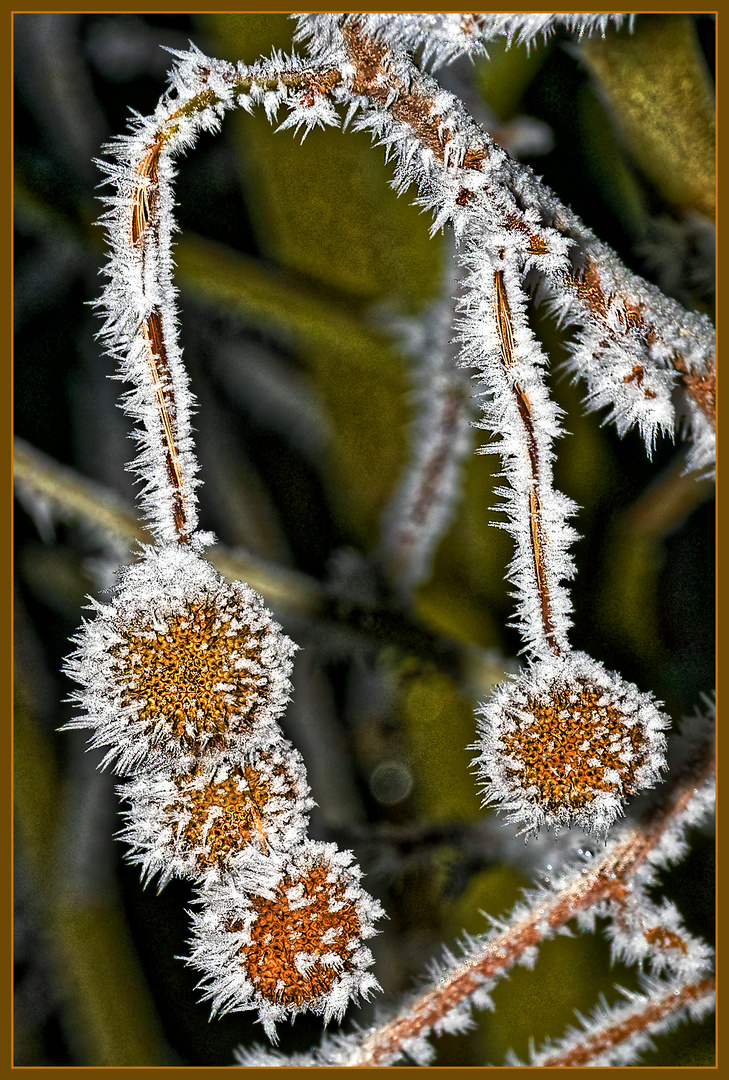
<point>597,740</point>
<point>183,676</point>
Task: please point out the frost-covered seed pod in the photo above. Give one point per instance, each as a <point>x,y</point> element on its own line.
<point>293,948</point>
<point>565,742</point>
<point>179,661</point>
<point>196,824</point>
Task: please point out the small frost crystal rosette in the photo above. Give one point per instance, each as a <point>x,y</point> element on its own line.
<point>179,661</point>
<point>565,742</point>
<point>298,945</point>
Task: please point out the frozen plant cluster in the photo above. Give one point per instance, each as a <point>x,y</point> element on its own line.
<point>184,677</point>
<point>676,985</point>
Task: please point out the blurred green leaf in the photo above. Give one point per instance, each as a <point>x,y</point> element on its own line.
<point>656,83</point>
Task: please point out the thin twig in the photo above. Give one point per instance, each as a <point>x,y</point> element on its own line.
<point>610,1042</point>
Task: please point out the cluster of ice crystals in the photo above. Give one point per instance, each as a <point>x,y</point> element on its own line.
<point>320,113</point>
<point>643,932</point>
<point>623,349</point>
<point>565,742</point>
<point>202,821</point>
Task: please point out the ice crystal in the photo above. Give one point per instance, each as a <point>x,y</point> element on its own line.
<point>197,823</point>
<point>444,37</point>
<point>643,932</point>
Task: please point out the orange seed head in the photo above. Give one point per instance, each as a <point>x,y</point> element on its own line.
<point>565,742</point>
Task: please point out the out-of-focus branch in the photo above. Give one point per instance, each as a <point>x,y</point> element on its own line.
<point>635,548</point>
<point>51,490</point>
<point>423,504</point>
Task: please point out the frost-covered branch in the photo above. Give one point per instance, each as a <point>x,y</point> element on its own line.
<point>617,1035</point>
<point>629,863</point>
<point>605,738</point>
<point>499,343</point>
<point>634,345</point>
<point>183,677</point>
<point>444,37</point>
<point>139,303</point>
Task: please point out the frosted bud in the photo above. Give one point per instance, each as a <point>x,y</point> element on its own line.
<point>297,947</point>
<point>565,742</point>
<point>179,661</point>
<point>197,823</point>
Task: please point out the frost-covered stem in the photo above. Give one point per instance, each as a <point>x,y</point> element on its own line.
<point>498,342</point>
<point>634,343</point>
<point>537,485</point>
<point>149,227</point>
<point>445,37</point>
<point>626,1030</point>
<point>634,851</point>
<point>140,301</point>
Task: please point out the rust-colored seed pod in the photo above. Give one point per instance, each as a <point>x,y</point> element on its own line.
<point>566,742</point>
<point>180,662</point>
<point>198,673</point>
<point>197,823</point>
<point>291,946</point>
<point>573,746</point>
<point>300,942</point>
